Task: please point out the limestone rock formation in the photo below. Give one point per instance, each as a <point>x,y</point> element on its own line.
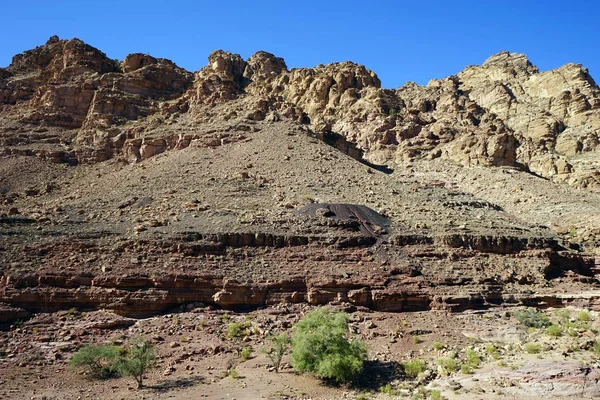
<point>502,113</point>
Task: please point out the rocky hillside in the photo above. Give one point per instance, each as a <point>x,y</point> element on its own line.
<point>502,113</point>
<point>138,186</point>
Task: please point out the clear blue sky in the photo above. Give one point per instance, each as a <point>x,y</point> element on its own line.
<point>399,40</point>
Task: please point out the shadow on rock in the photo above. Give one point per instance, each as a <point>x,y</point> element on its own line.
<point>377,373</point>
<point>179,383</point>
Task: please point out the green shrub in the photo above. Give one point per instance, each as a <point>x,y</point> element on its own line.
<point>532,318</point>
<point>388,389</point>
<point>413,368</point>
<point>532,348</point>
<point>280,345</point>
<point>416,339</point>
<point>583,316</point>
<point>246,353</point>
<point>448,364</point>
<point>465,369</point>
<point>492,351</point>
<point>236,330</point>
<point>100,361</point>
<point>554,330</point>
<point>437,346</point>
<point>320,345</point>
<point>473,360</point>
<point>596,347</point>
<point>139,357</point>
<point>435,394</point>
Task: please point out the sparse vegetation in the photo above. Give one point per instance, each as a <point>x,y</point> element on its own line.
<point>388,389</point>
<point>413,368</point>
<point>320,345</point>
<point>473,360</point>
<point>466,369</point>
<point>583,316</point>
<point>437,346</point>
<point>532,318</point>
<point>98,360</point>
<point>448,365</point>
<point>280,345</point>
<point>492,351</point>
<point>139,357</point>
<point>237,330</point>
<point>246,353</point>
<point>554,330</point>
<point>532,348</point>
<point>435,394</point>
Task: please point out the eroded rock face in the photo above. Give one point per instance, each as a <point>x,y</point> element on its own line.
<point>502,113</point>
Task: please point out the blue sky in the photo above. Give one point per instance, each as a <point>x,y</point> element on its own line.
<point>399,40</point>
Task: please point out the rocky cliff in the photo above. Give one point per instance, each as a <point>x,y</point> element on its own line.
<point>138,186</point>
<point>502,113</point>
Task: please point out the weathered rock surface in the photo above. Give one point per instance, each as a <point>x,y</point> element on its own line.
<point>260,204</point>
<point>502,113</point>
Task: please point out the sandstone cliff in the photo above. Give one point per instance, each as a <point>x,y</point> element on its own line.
<point>502,113</point>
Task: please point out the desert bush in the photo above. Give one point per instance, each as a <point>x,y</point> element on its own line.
<point>583,316</point>
<point>413,368</point>
<point>246,353</point>
<point>466,369</point>
<point>139,357</point>
<point>532,348</point>
<point>388,389</point>
<point>448,365</point>
<point>473,360</point>
<point>492,351</point>
<point>437,346</point>
<point>554,330</point>
<point>532,318</point>
<point>435,394</point>
<point>280,345</point>
<point>99,360</point>
<point>236,330</point>
<point>320,345</point>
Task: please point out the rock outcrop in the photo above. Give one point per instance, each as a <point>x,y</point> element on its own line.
<point>502,113</point>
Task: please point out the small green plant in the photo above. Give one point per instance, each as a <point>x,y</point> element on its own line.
<point>139,358</point>
<point>448,365</point>
<point>492,351</point>
<point>233,373</point>
<point>435,394</point>
<point>473,360</point>
<point>280,345</point>
<point>71,312</point>
<point>416,339</point>
<point>320,345</point>
<point>437,346</point>
<point>236,330</point>
<point>246,353</point>
<point>583,316</point>
<point>563,315</point>
<point>554,330</point>
<point>100,361</point>
<point>596,347</point>
<point>388,389</point>
<point>465,369</point>
<point>413,368</point>
<point>532,348</point>
<point>532,318</point>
